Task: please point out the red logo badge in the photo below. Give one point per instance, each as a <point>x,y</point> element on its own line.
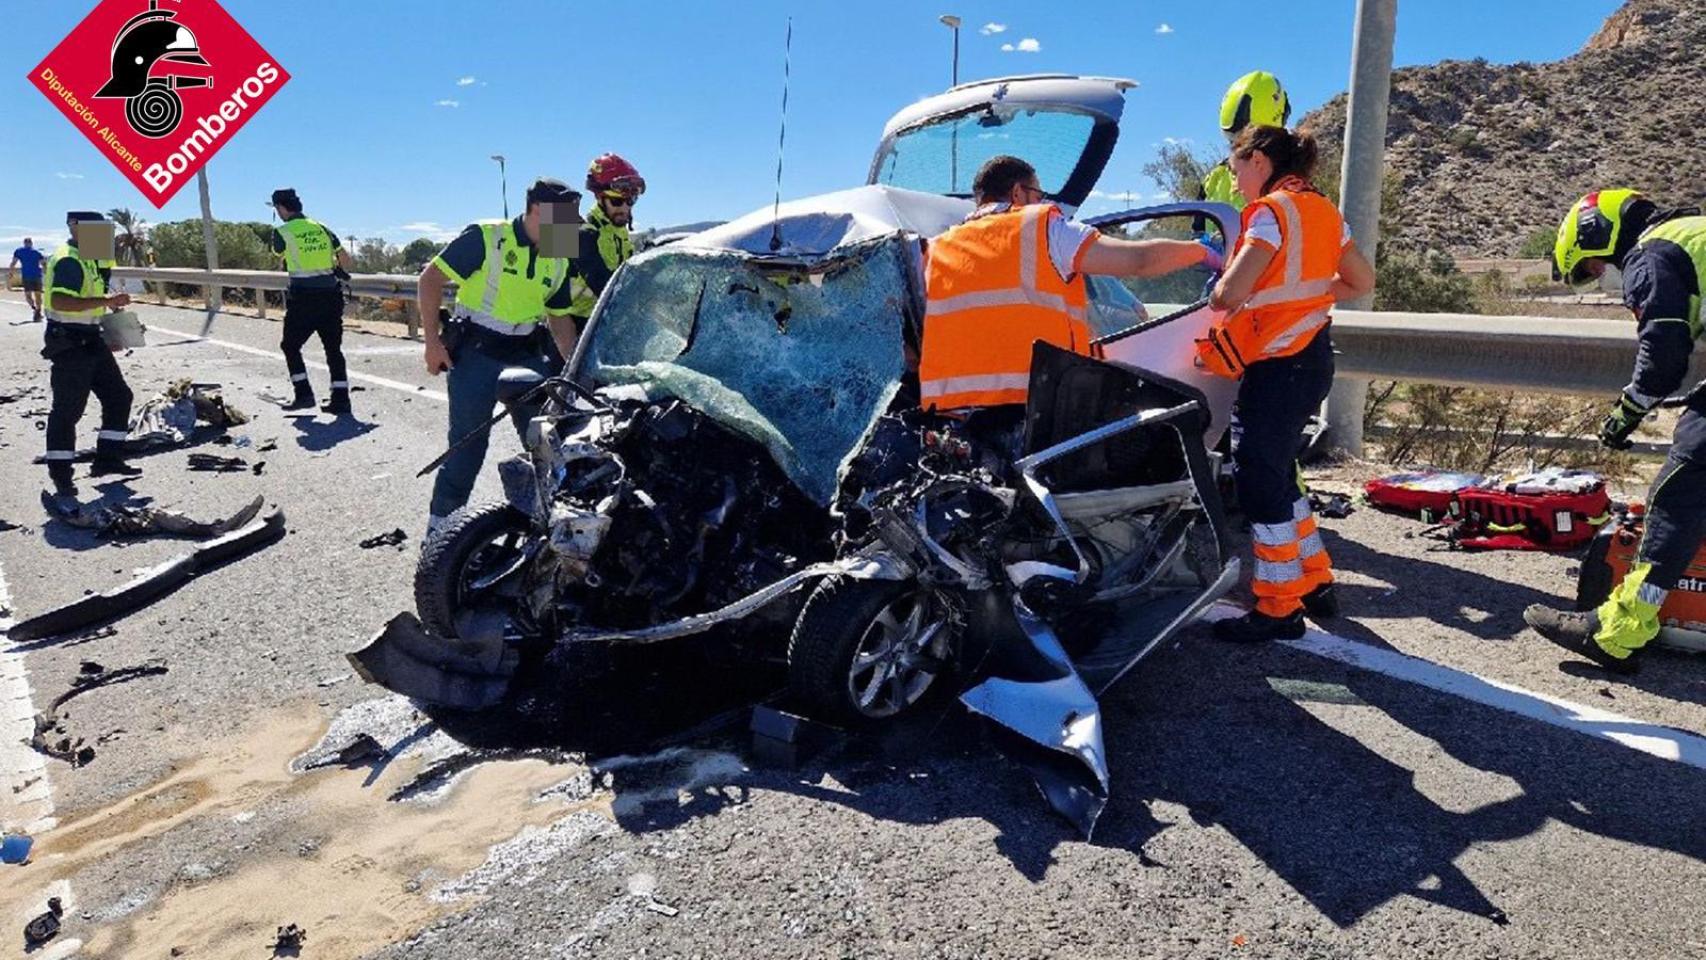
<point>158,86</point>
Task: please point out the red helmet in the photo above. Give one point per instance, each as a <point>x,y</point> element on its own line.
<point>612,173</point>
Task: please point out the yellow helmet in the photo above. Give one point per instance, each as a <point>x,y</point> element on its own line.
<point>1257,98</point>
<point>1591,229</point>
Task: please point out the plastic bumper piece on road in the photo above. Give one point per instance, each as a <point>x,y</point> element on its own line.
<point>406,658</point>
<point>152,585</point>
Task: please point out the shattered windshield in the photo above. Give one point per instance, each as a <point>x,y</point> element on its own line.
<point>943,155</point>
<point>802,362</point>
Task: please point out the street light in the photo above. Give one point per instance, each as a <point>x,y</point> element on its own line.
<point>503,180</point>
<point>953,23</point>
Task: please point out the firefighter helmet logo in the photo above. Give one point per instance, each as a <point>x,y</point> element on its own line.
<point>147,40</point>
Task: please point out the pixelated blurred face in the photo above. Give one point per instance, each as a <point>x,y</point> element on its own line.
<point>94,240</point>
<point>559,229</point>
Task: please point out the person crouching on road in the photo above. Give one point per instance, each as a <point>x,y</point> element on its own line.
<point>1295,258</point>
<point>986,304</point>
<point>314,303</point>
<point>81,361</point>
<point>1663,258</point>
<point>512,310</point>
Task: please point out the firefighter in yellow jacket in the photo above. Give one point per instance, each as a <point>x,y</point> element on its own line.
<point>1295,258</point>
<point>1011,274</point>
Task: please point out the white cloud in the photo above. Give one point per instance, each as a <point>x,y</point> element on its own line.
<point>430,229</point>
<point>448,103</point>
<point>991,29</point>
<point>466,81</point>
<point>1007,48</point>
<point>68,176</point>
<point>1029,45</point>
<point>1164,29</point>
<point>1177,141</point>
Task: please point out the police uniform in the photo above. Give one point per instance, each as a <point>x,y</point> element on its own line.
<point>313,305</point>
<point>81,364</point>
<point>604,247</point>
<point>505,290</point>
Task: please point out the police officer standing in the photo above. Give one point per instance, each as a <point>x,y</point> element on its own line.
<point>1663,258</point>
<point>81,361</point>
<point>314,304</point>
<point>605,243</point>
<point>512,310</point>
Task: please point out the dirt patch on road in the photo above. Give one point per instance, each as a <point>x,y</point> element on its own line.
<point>364,877</point>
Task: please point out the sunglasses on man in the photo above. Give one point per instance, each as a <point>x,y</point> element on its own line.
<point>620,199</point>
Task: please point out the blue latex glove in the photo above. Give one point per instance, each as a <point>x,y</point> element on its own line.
<point>1213,259</point>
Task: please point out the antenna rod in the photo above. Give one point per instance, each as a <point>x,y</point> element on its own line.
<point>781,141</point>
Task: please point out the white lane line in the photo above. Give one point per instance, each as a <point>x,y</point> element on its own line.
<point>26,797</point>
<point>397,385</point>
<point>1666,743</point>
<point>386,382</point>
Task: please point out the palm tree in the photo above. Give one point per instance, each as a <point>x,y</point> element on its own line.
<point>132,238</point>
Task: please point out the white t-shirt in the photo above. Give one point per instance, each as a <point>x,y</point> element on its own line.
<point>1264,226</point>
<point>1067,239</point>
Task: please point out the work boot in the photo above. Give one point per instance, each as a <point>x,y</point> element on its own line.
<point>112,467</point>
<point>1258,627</point>
<point>1321,603</point>
<point>60,473</point>
<point>1575,632</point>
<point>304,397</point>
<point>339,404</point>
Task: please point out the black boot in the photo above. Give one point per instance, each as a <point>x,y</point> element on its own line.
<point>304,397</point>
<point>339,404</point>
<point>1575,632</point>
<point>111,465</point>
<point>1321,603</point>
<point>60,473</point>
<point>1258,627</point>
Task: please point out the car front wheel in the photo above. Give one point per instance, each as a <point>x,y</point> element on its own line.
<point>868,650</point>
<point>467,563</point>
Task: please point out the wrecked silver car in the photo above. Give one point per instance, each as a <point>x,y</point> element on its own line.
<point>736,449</point>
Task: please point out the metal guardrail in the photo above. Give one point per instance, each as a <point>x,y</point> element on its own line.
<point>1543,354</point>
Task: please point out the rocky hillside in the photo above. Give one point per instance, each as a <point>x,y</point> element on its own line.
<point>1486,154</point>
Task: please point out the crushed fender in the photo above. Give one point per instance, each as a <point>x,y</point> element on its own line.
<point>153,584</point>
<point>52,739</point>
<point>121,521</point>
<point>463,673</point>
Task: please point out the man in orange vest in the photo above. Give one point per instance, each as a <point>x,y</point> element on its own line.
<point>1010,275</point>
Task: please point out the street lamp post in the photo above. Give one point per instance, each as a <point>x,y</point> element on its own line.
<point>953,23</point>
<point>503,181</point>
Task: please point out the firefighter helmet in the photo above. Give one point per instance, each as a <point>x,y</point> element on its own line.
<point>1257,98</point>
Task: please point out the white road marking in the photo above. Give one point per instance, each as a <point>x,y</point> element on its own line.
<point>397,385</point>
<point>386,382</point>
<point>1666,743</point>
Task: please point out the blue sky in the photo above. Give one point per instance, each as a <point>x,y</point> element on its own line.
<point>394,108</point>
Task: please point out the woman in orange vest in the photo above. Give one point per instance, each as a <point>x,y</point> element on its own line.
<point>1295,258</point>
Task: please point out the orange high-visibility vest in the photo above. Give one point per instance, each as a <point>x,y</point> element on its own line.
<point>1291,299</point>
<point>991,291</point>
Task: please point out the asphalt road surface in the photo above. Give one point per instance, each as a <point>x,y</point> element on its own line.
<point>1428,780</point>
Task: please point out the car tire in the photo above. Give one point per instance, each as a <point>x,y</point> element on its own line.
<point>439,576</point>
<point>837,623</point>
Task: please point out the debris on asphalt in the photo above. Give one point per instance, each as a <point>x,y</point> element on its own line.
<point>45,927</point>
<point>214,463</point>
<point>15,848</point>
<point>1333,506</point>
<point>268,445</point>
<point>289,941</point>
<point>52,739</point>
<point>124,521</point>
<point>334,681</point>
<point>7,526</point>
<point>785,740</point>
<point>151,584</point>
<point>170,417</point>
<point>663,908</point>
<point>395,538</point>
<point>353,754</point>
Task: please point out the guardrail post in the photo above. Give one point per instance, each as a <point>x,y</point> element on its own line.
<point>412,317</point>
<point>1360,180</point>
<point>260,303</point>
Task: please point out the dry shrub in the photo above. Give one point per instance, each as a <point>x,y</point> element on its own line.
<point>1483,431</point>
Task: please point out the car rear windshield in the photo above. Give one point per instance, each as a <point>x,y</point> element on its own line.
<point>943,155</point>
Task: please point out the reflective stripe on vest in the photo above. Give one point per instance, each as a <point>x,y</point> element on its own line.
<point>992,291</point>
<point>1293,296</point>
<point>503,302</point>
<point>93,287</point>
<point>307,248</point>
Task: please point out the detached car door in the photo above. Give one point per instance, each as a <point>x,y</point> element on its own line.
<point>1174,310</point>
